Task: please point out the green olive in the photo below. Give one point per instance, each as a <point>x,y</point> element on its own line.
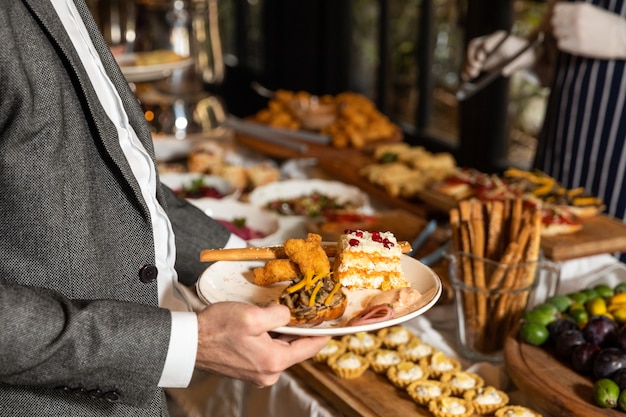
<point>606,393</point>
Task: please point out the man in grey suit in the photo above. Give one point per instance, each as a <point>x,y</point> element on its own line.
<point>92,247</point>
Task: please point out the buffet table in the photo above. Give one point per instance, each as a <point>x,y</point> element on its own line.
<point>311,389</point>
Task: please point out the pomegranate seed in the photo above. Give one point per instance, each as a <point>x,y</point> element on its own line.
<point>353,242</point>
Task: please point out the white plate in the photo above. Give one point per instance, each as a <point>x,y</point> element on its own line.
<point>176,181</point>
<point>232,281</point>
<point>145,73</point>
<point>287,189</point>
<point>256,218</point>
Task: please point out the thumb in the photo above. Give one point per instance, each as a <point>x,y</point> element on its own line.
<point>273,315</point>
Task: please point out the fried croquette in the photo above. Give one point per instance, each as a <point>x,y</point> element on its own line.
<point>276,270</point>
<point>308,254</point>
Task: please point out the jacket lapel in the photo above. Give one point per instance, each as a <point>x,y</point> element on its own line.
<point>103,128</point>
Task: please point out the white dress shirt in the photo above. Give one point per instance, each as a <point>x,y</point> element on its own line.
<point>181,356</point>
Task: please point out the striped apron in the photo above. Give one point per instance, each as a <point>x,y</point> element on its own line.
<point>582,143</point>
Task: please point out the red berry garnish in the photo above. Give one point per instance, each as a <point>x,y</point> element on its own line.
<point>353,242</point>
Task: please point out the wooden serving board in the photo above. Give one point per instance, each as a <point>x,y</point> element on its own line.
<point>551,384</point>
<point>600,234</point>
<point>314,150</point>
<point>404,225</point>
<point>370,395</point>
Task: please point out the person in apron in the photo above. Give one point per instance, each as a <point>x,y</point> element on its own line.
<point>582,141</point>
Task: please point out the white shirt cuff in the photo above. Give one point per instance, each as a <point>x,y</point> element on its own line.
<point>181,354</point>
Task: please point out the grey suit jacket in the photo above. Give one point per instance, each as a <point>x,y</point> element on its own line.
<point>81,333</point>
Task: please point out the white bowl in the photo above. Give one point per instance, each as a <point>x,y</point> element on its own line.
<point>256,218</point>
<point>168,148</point>
<point>177,181</point>
<point>288,189</point>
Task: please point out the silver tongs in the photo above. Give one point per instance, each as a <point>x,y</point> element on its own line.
<point>469,88</point>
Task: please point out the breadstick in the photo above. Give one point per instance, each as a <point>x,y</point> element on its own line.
<point>267,253</point>
<point>495,225</point>
<point>456,231</point>
<point>503,307</point>
<point>516,218</point>
<point>496,278</point>
<point>531,257</point>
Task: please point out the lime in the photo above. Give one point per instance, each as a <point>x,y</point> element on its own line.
<point>604,290</point>
<point>540,316</point>
<point>578,297</point>
<point>580,315</point>
<point>606,393</point>
<point>534,333</point>
<point>575,305</point>
<point>560,301</point>
<point>548,308</point>
<point>621,401</point>
<point>590,293</point>
<point>619,288</point>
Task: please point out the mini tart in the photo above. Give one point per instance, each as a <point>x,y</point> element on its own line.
<point>382,359</point>
<point>333,347</point>
<point>405,373</point>
<point>450,407</point>
<point>416,350</point>
<point>486,399</point>
<point>395,336</point>
<point>361,342</point>
<point>439,363</point>
<point>425,390</point>
<point>515,411</point>
<point>461,381</point>
<point>348,365</point>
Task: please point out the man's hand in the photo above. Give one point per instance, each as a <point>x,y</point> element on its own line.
<point>484,54</point>
<point>233,340</point>
<point>590,31</point>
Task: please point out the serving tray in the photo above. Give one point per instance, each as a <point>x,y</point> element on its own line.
<point>370,395</point>
<point>551,384</point>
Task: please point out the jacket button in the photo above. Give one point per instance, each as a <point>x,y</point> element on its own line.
<point>111,396</point>
<point>96,393</point>
<point>148,273</point>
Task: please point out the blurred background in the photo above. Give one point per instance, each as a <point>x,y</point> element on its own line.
<point>405,55</point>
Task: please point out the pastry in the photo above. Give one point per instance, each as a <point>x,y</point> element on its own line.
<point>425,390</point>
<point>515,411</point>
<point>361,342</point>
<point>405,373</point>
<point>416,350</point>
<point>393,337</point>
<point>348,365</point>
<point>461,381</point>
<point>450,407</point>
<point>332,348</point>
<point>382,359</point>
<point>486,399</point>
<point>369,259</point>
<point>438,363</point>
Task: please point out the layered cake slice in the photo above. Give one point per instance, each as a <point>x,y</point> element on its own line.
<point>367,259</point>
